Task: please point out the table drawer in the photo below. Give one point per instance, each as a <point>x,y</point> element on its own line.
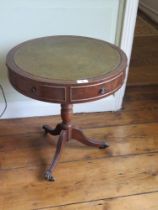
<point>54,94</point>
<point>37,90</point>
<point>50,93</point>
<point>93,92</point>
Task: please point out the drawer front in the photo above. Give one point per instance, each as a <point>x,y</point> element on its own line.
<point>96,91</point>
<point>36,90</point>
<point>50,93</point>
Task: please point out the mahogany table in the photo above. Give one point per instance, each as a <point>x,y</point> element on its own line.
<point>66,70</point>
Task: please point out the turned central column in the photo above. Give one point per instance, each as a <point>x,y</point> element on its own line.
<point>66,116</point>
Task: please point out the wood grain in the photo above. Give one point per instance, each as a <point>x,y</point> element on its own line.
<point>135,202</point>
<point>116,176</point>
<point>35,149</point>
<point>144,62</point>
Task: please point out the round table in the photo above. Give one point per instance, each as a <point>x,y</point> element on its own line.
<point>66,70</point>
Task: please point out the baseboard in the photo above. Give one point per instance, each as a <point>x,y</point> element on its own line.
<point>151,12</point>
<point>31,108</point>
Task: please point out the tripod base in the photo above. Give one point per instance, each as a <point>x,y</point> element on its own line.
<point>66,132</point>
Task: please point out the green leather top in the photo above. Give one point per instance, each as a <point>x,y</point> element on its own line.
<point>67,58</point>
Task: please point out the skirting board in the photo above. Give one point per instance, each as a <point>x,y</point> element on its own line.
<point>151,12</point>
<point>33,108</point>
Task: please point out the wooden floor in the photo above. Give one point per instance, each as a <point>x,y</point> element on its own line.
<point>122,177</point>
<point>144,61</point>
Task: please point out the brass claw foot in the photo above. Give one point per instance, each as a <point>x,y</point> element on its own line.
<point>48,176</point>
<point>104,146</point>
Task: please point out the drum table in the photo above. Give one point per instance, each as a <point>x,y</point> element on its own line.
<point>66,70</point>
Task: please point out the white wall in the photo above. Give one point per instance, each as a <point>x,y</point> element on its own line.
<point>150,7</point>
<point>21,20</point>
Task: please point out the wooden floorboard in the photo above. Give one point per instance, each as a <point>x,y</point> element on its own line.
<point>35,149</point>
<point>144,63</point>
<point>146,201</point>
<point>85,180</point>
<point>84,175</point>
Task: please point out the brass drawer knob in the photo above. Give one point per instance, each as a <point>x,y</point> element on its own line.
<point>33,89</point>
<point>102,90</point>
